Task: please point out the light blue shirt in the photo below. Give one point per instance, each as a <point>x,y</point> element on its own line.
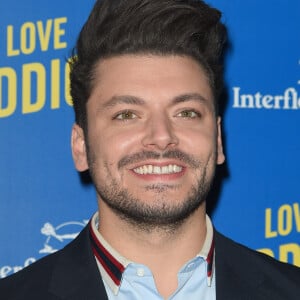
<point>137,281</point>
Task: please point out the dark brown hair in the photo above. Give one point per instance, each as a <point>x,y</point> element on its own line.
<point>160,27</point>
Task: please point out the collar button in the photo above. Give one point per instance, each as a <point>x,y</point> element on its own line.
<point>140,272</point>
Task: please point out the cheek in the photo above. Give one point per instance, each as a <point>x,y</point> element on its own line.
<point>199,142</point>
<point>121,143</point>
<point>111,145</point>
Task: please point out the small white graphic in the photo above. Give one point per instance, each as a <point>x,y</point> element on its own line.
<point>60,234</point>
<point>56,238</point>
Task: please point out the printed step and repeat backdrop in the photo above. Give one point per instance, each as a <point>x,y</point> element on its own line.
<point>44,203</point>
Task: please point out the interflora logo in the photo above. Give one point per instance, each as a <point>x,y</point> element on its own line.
<point>288,99</point>
<point>55,238</point>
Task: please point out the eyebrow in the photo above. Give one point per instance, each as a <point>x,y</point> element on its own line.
<point>130,99</point>
<point>190,97</point>
<point>123,99</point>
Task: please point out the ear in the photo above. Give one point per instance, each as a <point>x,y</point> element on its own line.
<point>79,148</point>
<point>220,153</point>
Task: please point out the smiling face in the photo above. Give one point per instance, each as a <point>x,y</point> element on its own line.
<point>153,139</point>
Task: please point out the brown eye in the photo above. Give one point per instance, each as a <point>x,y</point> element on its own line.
<point>190,114</point>
<point>125,115</point>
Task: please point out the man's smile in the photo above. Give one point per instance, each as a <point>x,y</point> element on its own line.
<point>159,170</point>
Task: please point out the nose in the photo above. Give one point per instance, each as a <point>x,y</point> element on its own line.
<point>159,134</point>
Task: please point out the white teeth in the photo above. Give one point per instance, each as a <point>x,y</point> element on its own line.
<point>165,169</point>
<point>145,169</point>
<point>150,169</point>
<point>176,169</point>
<point>156,170</point>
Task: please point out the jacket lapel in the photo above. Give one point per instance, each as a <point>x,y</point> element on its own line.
<point>234,278</point>
<point>76,275</point>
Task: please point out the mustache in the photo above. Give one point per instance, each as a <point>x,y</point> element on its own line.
<point>188,159</point>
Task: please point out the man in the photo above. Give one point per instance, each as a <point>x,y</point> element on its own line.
<point>145,83</point>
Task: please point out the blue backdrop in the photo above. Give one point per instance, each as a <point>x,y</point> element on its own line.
<point>43,203</point>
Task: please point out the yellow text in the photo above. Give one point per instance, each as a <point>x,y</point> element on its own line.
<point>287,253</point>
<point>32,36</point>
<point>283,222</point>
<point>37,85</point>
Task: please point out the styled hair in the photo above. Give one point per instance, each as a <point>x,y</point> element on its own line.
<point>160,27</point>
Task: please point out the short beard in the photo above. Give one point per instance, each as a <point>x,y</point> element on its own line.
<point>161,215</point>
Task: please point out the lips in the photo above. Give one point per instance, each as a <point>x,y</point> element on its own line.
<point>158,170</point>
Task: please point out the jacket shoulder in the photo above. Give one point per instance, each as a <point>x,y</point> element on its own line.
<point>59,275</point>
<point>32,280</point>
<point>256,271</point>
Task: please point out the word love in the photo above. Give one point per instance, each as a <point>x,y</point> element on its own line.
<point>36,36</point>
<point>283,222</point>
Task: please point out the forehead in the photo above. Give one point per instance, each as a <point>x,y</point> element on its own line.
<point>150,77</point>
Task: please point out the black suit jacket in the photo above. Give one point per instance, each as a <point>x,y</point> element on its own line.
<point>72,274</point>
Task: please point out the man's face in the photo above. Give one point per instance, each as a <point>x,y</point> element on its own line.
<point>153,139</point>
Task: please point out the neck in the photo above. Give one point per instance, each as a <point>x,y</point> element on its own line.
<point>192,231</point>
<point>163,249</point>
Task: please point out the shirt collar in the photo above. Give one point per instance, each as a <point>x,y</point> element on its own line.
<point>112,264</point>
<point>208,250</point>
